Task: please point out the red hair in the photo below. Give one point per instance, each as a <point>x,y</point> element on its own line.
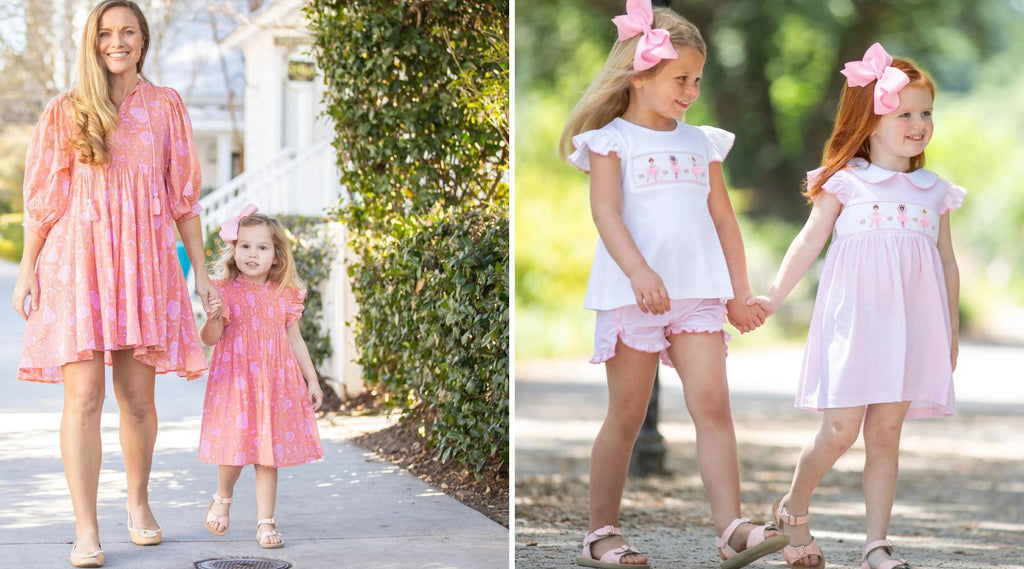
<point>855,122</point>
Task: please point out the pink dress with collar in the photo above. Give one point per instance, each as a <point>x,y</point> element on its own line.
<point>109,277</point>
<point>881,331</point>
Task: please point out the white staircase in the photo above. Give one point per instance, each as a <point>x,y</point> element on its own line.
<point>302,182</point>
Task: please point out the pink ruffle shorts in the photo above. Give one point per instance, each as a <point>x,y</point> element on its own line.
<point>649,332</point>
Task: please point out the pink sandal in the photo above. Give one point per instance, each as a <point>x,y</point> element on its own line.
<point>889,564</point>
<point>611,559</point>
<point>792,553</point>
<point>757,544</point>
<point>261,537</point>
<point>212,518</point>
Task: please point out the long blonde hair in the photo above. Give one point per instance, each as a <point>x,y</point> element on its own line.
<point>94,113</point>
<point>607,96</point>
<point>856,120</point>
<point>282,271</point>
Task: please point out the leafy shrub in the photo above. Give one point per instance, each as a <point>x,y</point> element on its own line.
<point>418,92</point>
<point>433,329</point>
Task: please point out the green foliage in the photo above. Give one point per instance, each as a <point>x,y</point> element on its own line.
<point>12,236</point>
<point>433,328</point>
<point>313,253</point>
<point>418,93</point>
<point>419,97</point>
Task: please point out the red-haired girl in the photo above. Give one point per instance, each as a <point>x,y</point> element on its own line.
<point>882,344</point>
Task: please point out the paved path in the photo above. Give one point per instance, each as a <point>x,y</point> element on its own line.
<point>350,509</point>
<point>960,503</point>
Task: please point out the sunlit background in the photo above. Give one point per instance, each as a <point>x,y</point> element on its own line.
<point>772,77</point>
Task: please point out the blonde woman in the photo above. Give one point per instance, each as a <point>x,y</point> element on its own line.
<point>111,170</point>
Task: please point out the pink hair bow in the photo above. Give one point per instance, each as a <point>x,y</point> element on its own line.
<point>229,231</point>
<point>877,66</point>
<point>655,45</point>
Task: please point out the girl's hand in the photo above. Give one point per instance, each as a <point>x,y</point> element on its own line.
<point>216,308</point>
<point>745,316</point>
<point>954,352</point>
<point>27,286</point>
<point>765,302</point>
<point>651,295</point>
<point>315,394</point>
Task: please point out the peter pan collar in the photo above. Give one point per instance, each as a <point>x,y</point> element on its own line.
<point>873,174</point>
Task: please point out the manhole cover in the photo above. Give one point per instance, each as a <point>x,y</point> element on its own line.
<point>243,563</point>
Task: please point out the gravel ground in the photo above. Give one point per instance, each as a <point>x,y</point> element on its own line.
<point>960,503</point>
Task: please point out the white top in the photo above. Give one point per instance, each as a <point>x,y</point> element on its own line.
<point>665,206</point>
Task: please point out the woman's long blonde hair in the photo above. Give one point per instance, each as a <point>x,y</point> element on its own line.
<point>607,96</point>
<point>94,113</point>
<point>282,271</point>
<point>856,120</point>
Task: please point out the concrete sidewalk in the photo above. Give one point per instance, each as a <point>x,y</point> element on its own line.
<point>351,509</point>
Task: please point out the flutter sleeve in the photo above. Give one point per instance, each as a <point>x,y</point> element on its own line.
<point>600,141</point>
<point>48,161</point>
<point>293,305</point>
<point>225,312</point>
<point>183,176</point>
<point>719,142</point>
<point>954,197</point>
<point>837,185</point>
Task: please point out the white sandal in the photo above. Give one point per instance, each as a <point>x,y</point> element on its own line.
<point>261,537</point>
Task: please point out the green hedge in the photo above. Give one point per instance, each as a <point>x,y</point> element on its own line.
<point>433,329</point>
<point>418,93</point>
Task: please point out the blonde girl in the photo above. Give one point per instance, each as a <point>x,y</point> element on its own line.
<point>262,388</point>
<point>668,269</point>
<point>882,344</point>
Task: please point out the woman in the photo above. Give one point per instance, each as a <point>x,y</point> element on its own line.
<point>111,170</point>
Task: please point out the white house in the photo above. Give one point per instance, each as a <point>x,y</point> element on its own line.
<point>289,164</point>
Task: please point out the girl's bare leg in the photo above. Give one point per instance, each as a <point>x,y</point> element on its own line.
<point>839,430</point>
<point>630,378</point>
<point>883,424</point>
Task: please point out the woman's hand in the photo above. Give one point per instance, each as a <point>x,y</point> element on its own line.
<point>651,295</point>
<point>315,395</point>
<point>207,293</point>
<point>27,286</point>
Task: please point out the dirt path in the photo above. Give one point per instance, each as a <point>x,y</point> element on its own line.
<point>960,502</point>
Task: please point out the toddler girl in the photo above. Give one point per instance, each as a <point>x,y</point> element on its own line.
<point>883,339</point>
<point>669,266</point>
<point>262,389</point>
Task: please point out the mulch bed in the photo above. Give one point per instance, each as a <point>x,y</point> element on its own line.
<point>486,491</point>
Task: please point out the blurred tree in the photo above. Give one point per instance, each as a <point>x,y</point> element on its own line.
<point>772,71</point>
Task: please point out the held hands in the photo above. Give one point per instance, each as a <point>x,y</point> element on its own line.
<point>650,291</point>
<point>766,303</point>
<point>216,308</point>
<point>745,316</point>
<point>208,294</point>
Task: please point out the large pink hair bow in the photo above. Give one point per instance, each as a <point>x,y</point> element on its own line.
<point>229,231</point>
<point>877,66</point>
<point>655,45</point>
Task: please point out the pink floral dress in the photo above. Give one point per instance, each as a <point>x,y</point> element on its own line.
<point>108,272</point>
<point>256,411</point>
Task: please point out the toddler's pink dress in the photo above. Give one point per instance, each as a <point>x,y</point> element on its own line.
<point>256,411</point>
<point>109,277</point>
<point>881,331</point>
